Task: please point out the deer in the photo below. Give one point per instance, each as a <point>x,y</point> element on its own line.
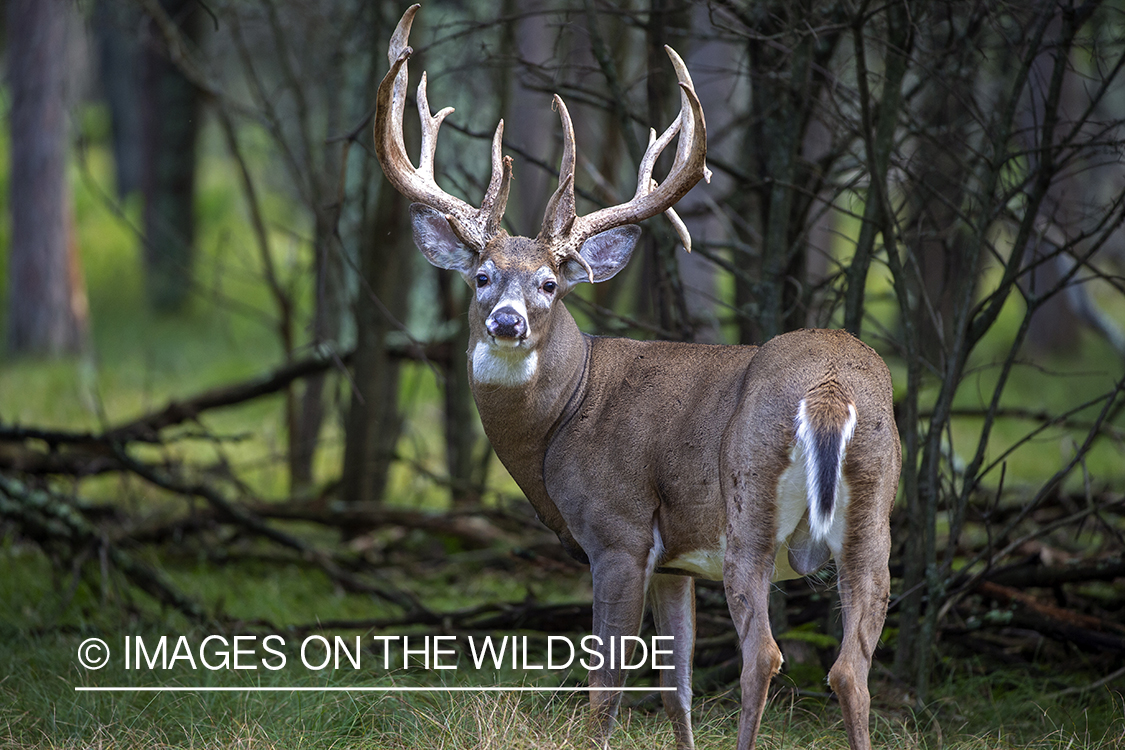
<point>659,462</point>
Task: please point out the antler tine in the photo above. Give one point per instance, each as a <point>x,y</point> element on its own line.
<point>645,183</point>
<point>655,148</point>
<point>398,52</point>
<point>680,227</point>
<point>688,168</point>
<point>560,213</point>
<point>430,126</point>
<point>496,199</point>
<point>472,226</point>
<point>688,124</point>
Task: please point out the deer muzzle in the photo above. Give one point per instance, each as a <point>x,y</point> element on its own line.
<point>506,324</point>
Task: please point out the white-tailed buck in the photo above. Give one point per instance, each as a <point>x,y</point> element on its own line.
<point>658,462</point>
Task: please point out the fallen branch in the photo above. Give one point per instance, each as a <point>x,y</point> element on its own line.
<point>176,412</point>
<point>47,518</point>
<point>1027,574</point>
<point>529,614</point>
<point>236,513</point>
<point>473,528</point>
<point>85,453</point>
<point>478,529</point>
<point>81,457</point>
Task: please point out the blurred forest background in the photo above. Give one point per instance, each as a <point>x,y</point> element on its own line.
<point>221,345</point>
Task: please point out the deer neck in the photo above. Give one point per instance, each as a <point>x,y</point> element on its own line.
<point>520,414</point>
<point>522,396</point>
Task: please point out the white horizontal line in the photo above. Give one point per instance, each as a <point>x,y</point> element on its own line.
<point>360,689</point>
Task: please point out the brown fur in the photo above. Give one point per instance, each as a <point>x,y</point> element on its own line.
<point>614,436</point>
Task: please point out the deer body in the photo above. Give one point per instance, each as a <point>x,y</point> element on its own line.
<point>617,392</point>
<point>658,461</point>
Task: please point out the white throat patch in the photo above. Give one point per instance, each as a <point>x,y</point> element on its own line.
<point>508,366</point>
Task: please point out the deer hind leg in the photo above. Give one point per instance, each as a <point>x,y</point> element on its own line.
<point>619,601</point>
<point>747,574</point>
<point>673,609</point>
<point>864,583</point>
<point>761,657</point>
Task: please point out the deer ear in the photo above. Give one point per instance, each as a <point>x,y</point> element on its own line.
<point>606,253</point>
<point>435,238</point>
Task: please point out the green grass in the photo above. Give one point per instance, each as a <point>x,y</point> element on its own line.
<point>975,704</point>
<point>40,709</point>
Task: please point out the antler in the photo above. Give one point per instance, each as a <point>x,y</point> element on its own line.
<point>566,231</point>
<point>562,228</point>
<point>473,226</point>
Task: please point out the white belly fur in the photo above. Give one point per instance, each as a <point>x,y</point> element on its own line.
<point>707,563</point>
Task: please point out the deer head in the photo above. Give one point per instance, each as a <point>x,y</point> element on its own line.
<point>519,280</point>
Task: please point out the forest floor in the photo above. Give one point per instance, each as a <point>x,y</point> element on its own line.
<point>167,695</point>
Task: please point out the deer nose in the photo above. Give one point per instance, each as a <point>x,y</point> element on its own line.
<point>506,323</point>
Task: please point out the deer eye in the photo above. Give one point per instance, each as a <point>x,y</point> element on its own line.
<point>549,287</point>
<point>482,280</point>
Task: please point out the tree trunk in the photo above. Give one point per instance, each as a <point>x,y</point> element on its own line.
<point>463,438</point>
<point>114,26</point>
<point>47,311</point>
<point>661,245</point>
<point>333,307</point>
<point>373,421</point>
<point>771,293</point>
<point>331,303</point>
<point>170,124</point>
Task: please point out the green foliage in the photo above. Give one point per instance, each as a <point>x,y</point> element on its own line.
<point>139,361</point>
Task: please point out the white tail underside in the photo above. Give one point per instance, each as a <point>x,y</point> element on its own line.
<point>824,467</point>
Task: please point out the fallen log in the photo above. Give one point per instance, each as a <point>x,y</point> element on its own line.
<point>1086,631</point>
<point>1034,574</point>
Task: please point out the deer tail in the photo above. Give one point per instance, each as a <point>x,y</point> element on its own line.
<point>825,423</point>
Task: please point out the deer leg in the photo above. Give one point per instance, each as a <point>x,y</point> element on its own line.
<point>619,601</point>
<point>864,583</point>
<point>673,609</point>
<point>748,599</point>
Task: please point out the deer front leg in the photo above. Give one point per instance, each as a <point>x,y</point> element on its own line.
<point>673,609</point>
<point>619,601</point>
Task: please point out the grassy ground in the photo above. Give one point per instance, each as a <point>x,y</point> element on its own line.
<point>975,704</point>
<point>40,709</point>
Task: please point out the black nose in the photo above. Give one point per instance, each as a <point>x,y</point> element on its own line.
<point>506,323</point>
